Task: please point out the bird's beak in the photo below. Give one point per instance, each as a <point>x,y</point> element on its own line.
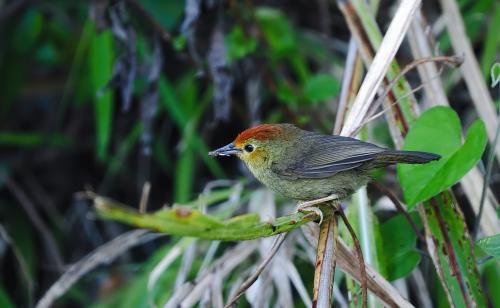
<point>226,150</point>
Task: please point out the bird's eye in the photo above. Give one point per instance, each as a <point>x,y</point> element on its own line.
<point>249,148</point>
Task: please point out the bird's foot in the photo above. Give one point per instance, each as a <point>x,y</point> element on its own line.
<point>310,206</point>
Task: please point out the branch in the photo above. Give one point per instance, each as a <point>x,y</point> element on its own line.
<point>325,260</point>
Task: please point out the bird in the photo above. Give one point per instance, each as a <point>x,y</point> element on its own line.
<point>308,166</point>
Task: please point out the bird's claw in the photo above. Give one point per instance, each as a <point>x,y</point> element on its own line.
<point>309,206</point>
<point>313,209</point>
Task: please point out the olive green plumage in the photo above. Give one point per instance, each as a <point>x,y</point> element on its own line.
<point>304,165</point>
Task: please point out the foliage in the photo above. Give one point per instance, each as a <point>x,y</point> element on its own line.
<point>64,129</point>
<point>399,247</point>
<point>438,131</point>
<point>490,245</point>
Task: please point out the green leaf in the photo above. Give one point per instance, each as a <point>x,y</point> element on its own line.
<point>27,31</point>
<point>101,71</point>
<point>453,252</point>
<point>238,44</point>
<point>321,87</point>
<point>33,139</point>
<point>399,246</point>
<point>495,75</point>
<point>179,42</point>
<point>277,29</point>
<point>491,274</point>
<point>286,93</point>
<point>438,131</point>
<point>173,105</point>
<point>490,245</point>
<point>187,221</point>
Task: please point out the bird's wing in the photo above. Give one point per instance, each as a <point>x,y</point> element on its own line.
<point>327,155</point>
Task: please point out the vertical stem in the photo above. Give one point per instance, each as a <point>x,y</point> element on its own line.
<point>325,260</point>
<point>367,230</point>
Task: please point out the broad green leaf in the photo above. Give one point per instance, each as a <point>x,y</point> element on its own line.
<point>187,221</point>
<point>101,71</point>
<point>438,131</point>
<point>490,245</point>
<point>321,87</point>
<point>238,44</point>
<point>399,246</point>
<point>403,264</point>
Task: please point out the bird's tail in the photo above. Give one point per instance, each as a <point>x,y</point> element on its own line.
<point>408,157</point>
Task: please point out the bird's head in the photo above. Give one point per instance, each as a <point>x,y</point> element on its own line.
<point>256,144</point>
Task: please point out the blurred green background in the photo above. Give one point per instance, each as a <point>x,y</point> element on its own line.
<point>110,95</point>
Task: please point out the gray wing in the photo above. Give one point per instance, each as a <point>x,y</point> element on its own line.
<point>327,155</point>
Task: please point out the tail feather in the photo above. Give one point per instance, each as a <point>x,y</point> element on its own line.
<point>408,157</point>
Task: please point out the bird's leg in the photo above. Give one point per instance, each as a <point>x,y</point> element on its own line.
<point>309,206</point>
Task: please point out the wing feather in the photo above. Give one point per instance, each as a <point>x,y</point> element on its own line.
<point>327,155</point>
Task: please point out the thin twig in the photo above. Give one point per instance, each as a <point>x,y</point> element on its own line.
<point>400,208</point>
<point>250,280</point>
<point>38,223</point>
<point>422,44</point>
<point>23,265</point>
<point>359,252</point>
<point>454,60</point>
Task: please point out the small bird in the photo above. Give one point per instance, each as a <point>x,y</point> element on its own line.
<point>306,166</point>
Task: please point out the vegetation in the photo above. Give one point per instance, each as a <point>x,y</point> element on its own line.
<point>109,108</point>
